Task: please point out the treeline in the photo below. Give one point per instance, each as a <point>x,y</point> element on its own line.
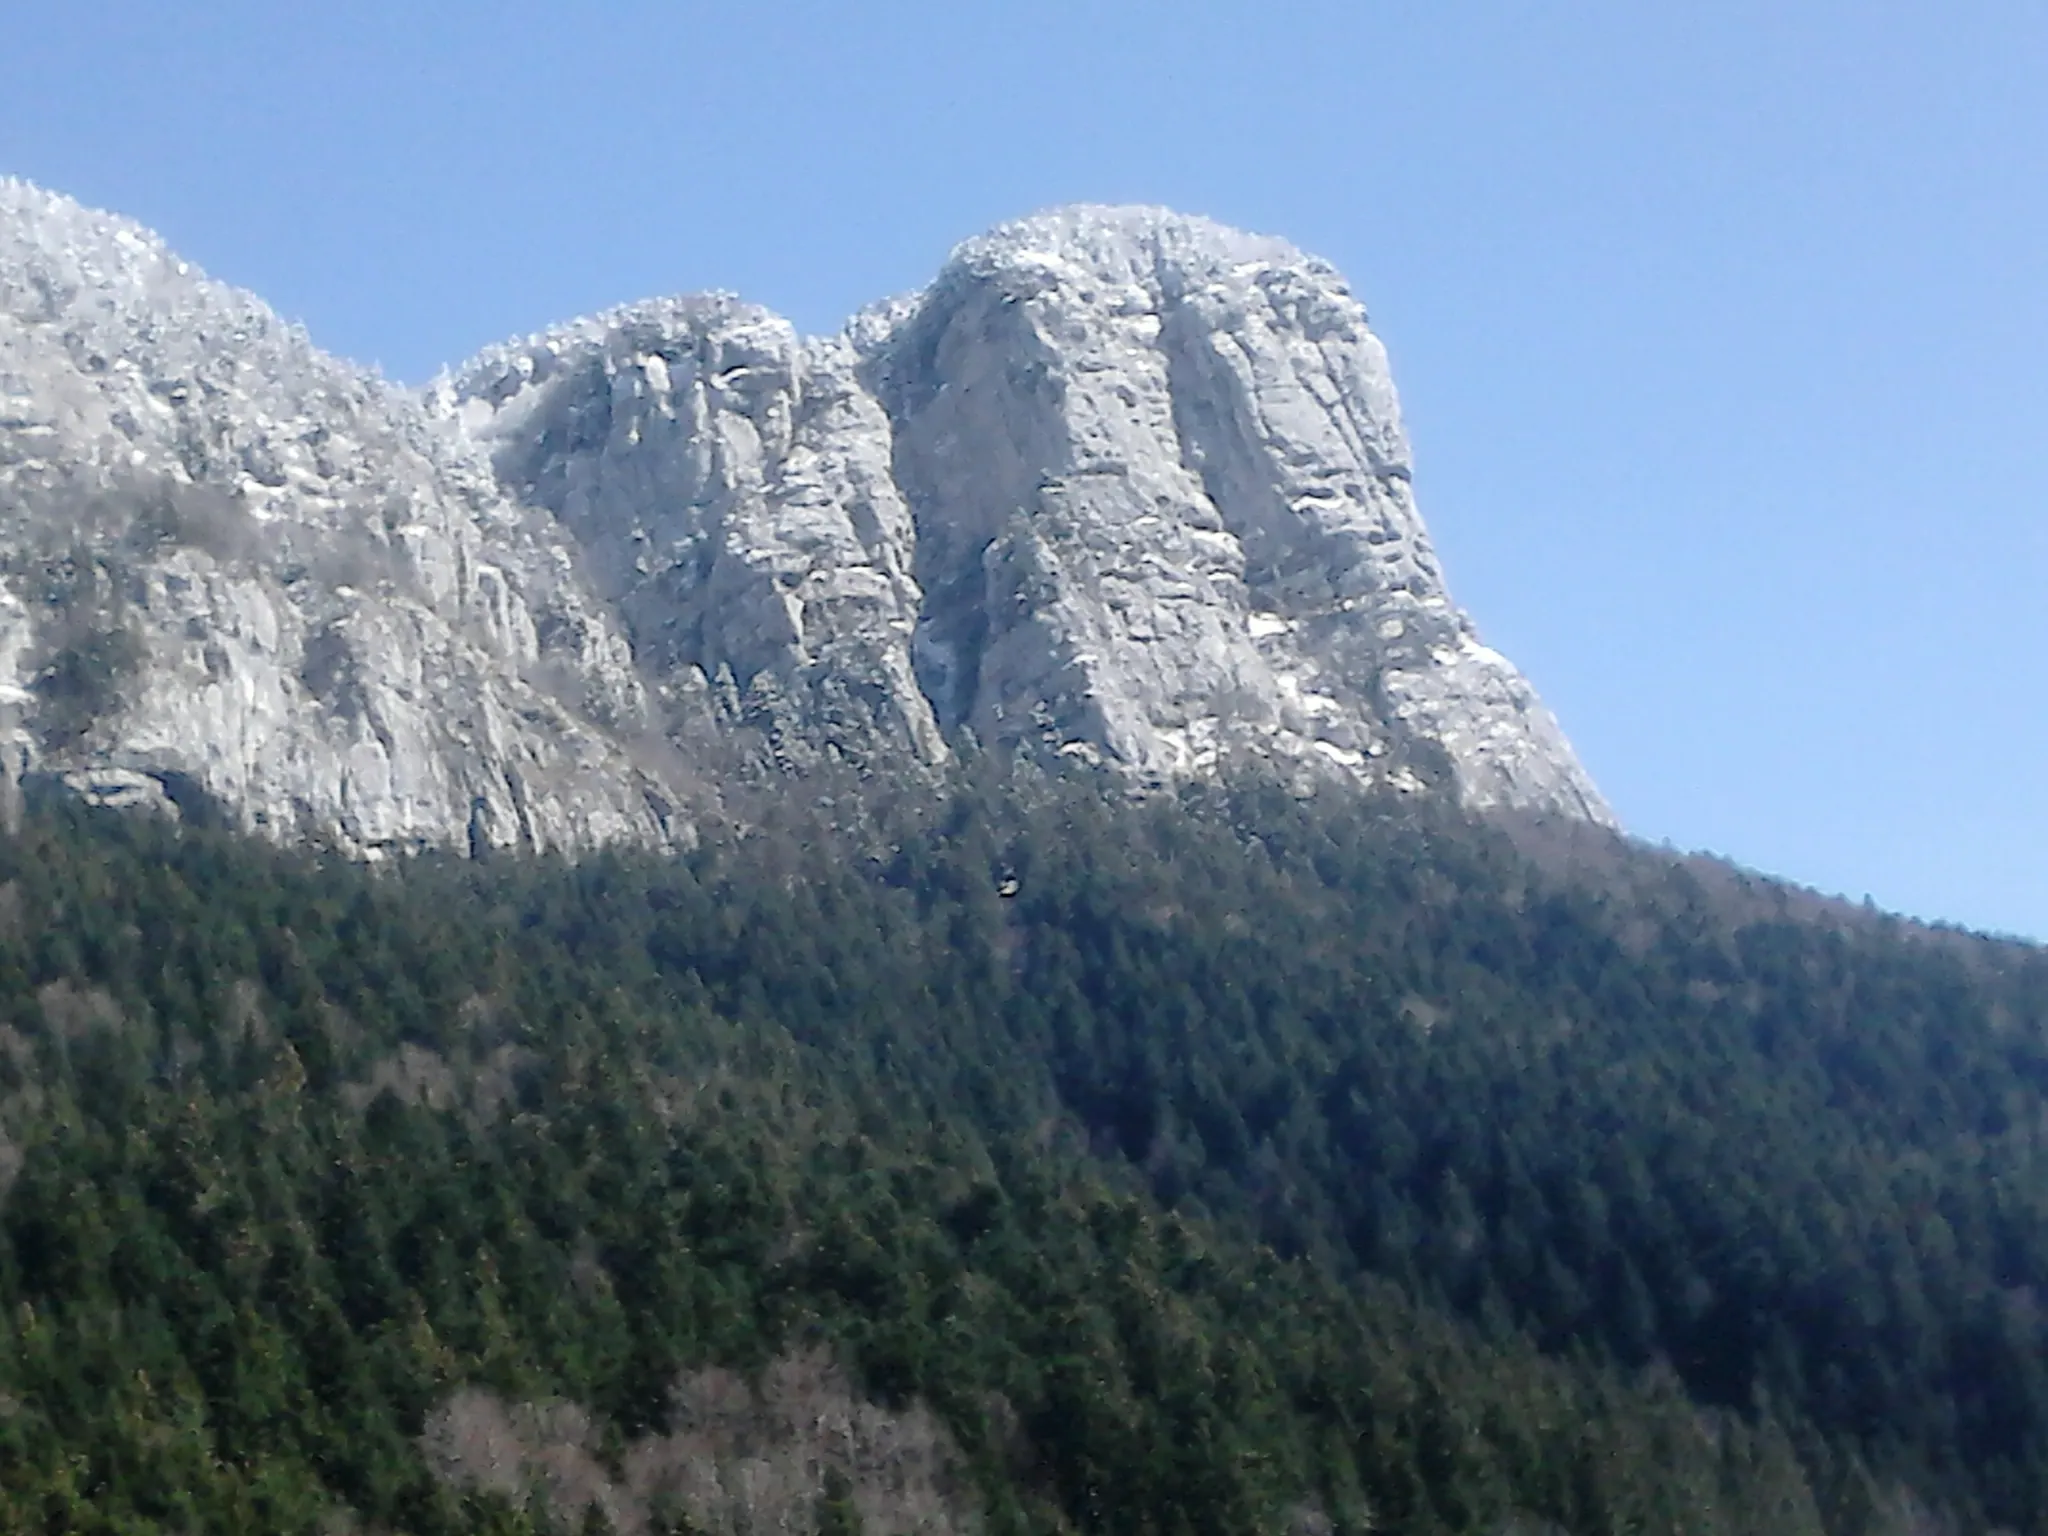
<point>1219,1165</point>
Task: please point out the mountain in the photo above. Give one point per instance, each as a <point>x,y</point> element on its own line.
<point>1121,485</point>
<point>844,1116</point>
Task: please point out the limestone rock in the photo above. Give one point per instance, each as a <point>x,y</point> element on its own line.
<point>1164,515</point>
<point>732,490</point>
<point>231,557</point>
<point>1120,485</point>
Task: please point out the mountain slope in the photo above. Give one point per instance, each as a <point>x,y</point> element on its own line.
<point>743,1189</point>
<point>1240,1161</point>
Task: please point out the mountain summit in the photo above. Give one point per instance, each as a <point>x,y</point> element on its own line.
<point>1120,485</point>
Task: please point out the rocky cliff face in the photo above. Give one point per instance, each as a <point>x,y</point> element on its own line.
<point>1164,515</point>
<point>228,559</point>
<point>1120,485</point>
<point>732,491</point>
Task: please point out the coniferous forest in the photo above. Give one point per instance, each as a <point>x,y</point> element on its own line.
<point>1022,1161</point>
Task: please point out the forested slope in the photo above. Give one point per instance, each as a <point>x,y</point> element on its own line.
<point>1034,1161</point>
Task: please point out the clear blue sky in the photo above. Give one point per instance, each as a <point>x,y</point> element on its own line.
<point>1721,328</point>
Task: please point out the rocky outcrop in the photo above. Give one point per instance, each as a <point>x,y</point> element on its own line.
<point>1164,515</point>
<point>1121,486</point>
<point>732,492</point>
<point>233,560</point>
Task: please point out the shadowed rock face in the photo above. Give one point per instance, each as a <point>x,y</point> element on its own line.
<point>1119,485</point>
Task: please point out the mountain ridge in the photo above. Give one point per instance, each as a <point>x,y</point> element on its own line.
<point>1120,485</point>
